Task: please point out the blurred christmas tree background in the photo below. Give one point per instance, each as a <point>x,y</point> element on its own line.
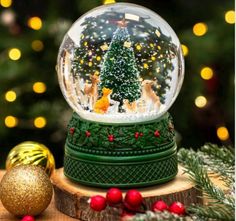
<point>32,106</point>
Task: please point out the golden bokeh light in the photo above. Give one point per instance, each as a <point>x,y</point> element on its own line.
<point>207,73</point>
<point>40,122</point>
<point>105,2</point>
<point>37,45</point>
<point>200,29</point>
<point>10,96</point>
<point>200,101</point>
<point>184,49</point>
<point>39,87</point>
<point>35,23</point>
<point>5,3</point>
<point>14,54</point>
<point>230,17</point>
<point>11,121</point>
<point>222,133</point>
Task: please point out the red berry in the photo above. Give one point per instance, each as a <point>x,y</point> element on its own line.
<point>136,135</point>
<point>177,208</point>
<point>72,130</point>
<point>28,218</point>
<point>111,137</point>
<point>140,134</point>
<point>114,196</point>
<point>133,199</point>
<point>98,203</point>
<point>87,133</point>
<point>159,205</point>
<point>157,133</point>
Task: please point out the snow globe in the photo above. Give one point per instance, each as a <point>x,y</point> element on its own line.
<point>120,67</point>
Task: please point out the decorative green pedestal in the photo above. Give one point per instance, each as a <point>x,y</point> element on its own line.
<point>130,155</point>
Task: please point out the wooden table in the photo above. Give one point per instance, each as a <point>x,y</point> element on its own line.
<point>50,214</point>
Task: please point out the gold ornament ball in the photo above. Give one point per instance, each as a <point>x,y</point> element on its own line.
<point>26,190</point>
<point>31,153</point>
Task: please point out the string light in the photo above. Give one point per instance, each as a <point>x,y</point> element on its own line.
<point>200,29</point>
<point>200,101</point>
<point>7,17</point>
<point>14,54</point>
<point>222,133</point>
<point>39,87</point>
<point>105,2</point>
<point>40,122</point>
<point>145,65</point>
<point>11,121</point>
<point>10,96</point>
<point>37,45</point>
<point>230,17</point>
<point>98,58</point>
<point>35,23</point>
<point>206,73</point>
<point>138,47</point>
<point>5,3</point>
<point>184,49</point>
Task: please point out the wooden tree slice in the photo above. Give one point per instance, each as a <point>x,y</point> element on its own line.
<point>72,199</point>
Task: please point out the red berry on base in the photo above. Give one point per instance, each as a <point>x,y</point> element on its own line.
<point>133,199</point>
<point>136,135</point>
<point>87,133</point>
<point>114,196</point>
<point>177,208</point>
<point>72,130</point>
<point>28,218</point>
<point>111,137</point>
<point>98,203</point>
<point>159,205</point>
<point>157,133</point>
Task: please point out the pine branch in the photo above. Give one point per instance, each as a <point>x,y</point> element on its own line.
<point>212,212</point>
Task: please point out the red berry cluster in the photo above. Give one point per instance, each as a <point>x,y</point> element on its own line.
<point>28,218</point>
<point>131,203</point>
<point>138,134</point>
<point>176,207</point>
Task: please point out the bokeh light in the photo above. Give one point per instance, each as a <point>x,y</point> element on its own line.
<point>207,73</point>
<point>230,17</point>
<point>222,133</point>
<point>35,23</point>
<point>200,101</point>
<point>39,87</point>
<point>37,45</point>
<point>200,29</point>
<point>40,122</point>
<point>14,54</point>
<point>184,49</point>
<point>11,121</point>
<point>5,3</point>
<point>10,96</point>
<point>105,2</point>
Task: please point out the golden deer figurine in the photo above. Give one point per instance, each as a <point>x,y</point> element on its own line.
<point>101,106</point>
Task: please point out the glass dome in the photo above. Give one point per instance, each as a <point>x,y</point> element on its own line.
<point>120,63</point>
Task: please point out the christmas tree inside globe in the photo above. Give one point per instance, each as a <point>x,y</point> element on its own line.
<point>120,68</point>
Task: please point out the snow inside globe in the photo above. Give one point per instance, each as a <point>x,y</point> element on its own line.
<point>120,63</point>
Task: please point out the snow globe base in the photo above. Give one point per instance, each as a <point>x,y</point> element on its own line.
<point>121,155</point>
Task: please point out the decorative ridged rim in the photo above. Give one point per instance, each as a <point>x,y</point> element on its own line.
<point>138,172</point>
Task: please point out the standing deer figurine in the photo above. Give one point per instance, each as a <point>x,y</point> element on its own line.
<point>149,96</point>
<point>91,90</point>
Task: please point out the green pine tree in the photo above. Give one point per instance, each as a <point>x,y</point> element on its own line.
<point>119,70</point>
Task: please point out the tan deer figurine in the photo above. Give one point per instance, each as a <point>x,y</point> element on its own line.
<point>101,106</point>
<point>91,90</point>
<point>149,96</point>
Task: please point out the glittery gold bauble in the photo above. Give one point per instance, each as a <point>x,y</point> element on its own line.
<point>26,190</point>
<point>31,153</point>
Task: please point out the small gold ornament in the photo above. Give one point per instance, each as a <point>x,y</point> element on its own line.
<point>26,190</point>
<point>104,47</point>
<point>31,153</point>
<point>157,33</point>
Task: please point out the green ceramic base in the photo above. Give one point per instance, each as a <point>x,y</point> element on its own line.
<point>126,161</point>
